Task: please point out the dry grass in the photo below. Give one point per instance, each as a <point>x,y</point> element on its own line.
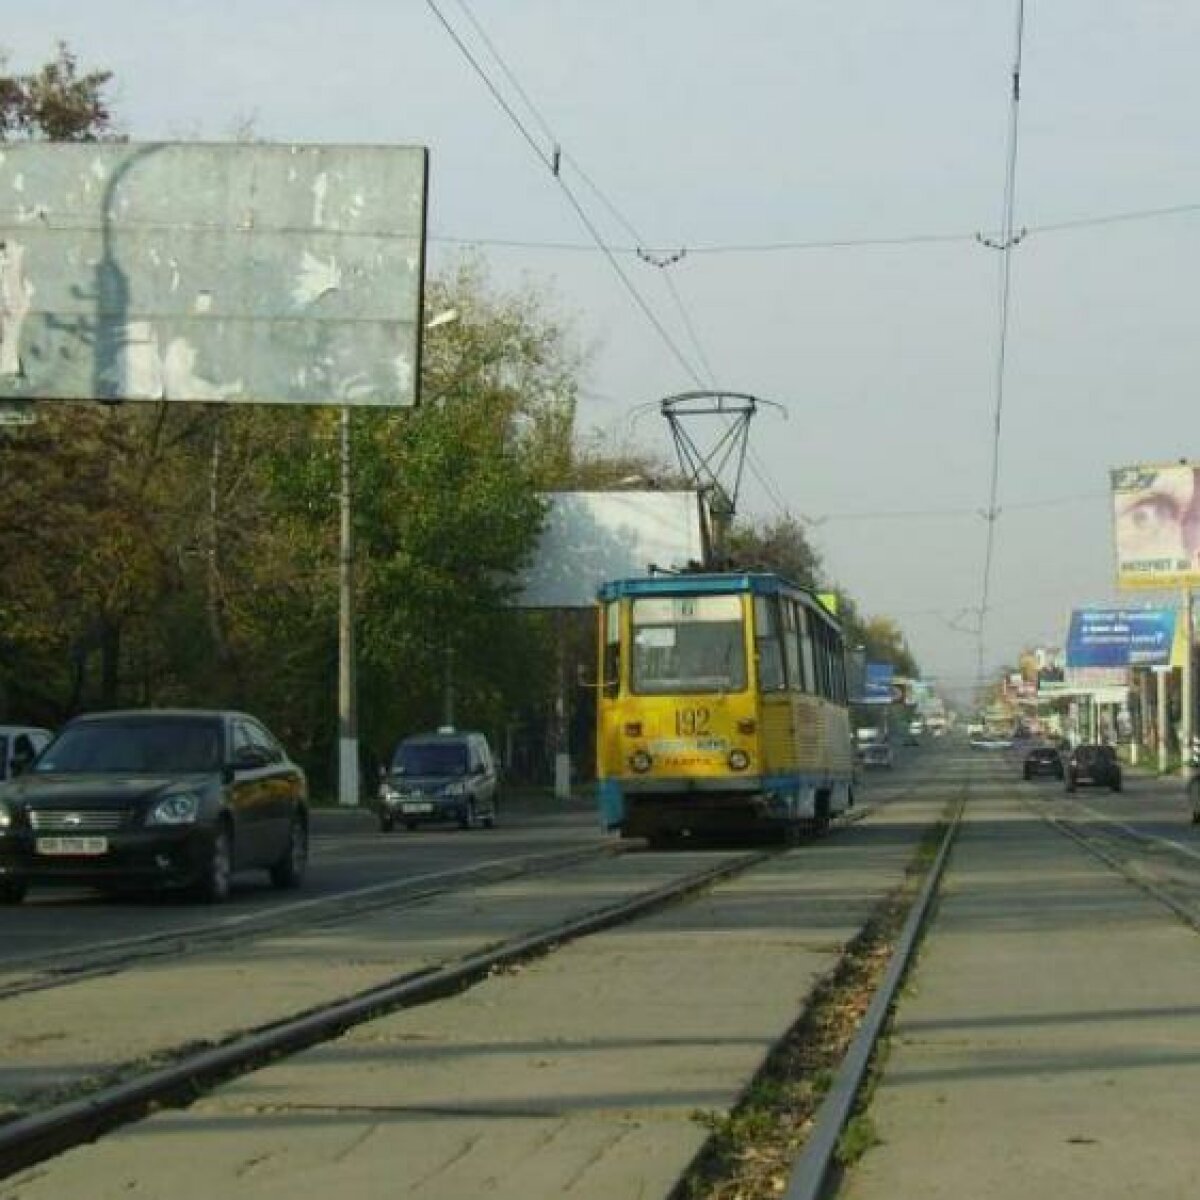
<point>751,1150</point>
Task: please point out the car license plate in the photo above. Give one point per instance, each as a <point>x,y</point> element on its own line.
<point>72,845</point>
<point>417,808</point>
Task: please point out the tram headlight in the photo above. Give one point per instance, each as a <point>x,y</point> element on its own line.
<point>739,760</point>
<point>640,761</point>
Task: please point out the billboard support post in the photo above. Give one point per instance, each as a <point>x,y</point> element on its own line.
<point>1162,717</point>
<point>1146,708</point>
<point>1187,689</point>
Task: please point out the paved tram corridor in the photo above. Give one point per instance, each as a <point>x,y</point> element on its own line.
<point>1047,1046</point>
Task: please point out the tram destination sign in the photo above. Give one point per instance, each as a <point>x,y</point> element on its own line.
<point>241,273</point>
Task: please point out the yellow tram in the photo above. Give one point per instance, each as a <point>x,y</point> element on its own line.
<point>722,707</point>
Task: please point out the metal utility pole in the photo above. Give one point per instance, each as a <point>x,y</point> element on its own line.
<point>347,684</point>
<point>348,756</point>
<point>448,686</point>
<point>562,723</point>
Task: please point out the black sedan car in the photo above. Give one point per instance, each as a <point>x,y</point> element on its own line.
<point>154,798</point>
<point>1097,765</point>
<point>1042,761</point>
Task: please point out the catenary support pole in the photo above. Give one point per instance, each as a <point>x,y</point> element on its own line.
<point>562,724</point>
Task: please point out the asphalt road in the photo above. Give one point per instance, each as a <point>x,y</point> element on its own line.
<point>348,857</point>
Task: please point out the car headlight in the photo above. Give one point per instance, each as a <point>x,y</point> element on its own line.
<point>5,815</point>
<point>456,789</point>
<point>388,794</point>
<point>181,809</point>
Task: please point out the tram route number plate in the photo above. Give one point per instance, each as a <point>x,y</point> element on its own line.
<point>72,845</point>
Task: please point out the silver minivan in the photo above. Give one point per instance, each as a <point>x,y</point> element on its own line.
<point>447,776</point>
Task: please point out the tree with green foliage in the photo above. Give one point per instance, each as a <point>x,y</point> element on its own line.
<point>55,102</point>
<point>781,546</point>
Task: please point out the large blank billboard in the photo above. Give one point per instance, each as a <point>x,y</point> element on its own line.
<point>239,272</point>
<point>1156,524</point>
<point>591,537</point>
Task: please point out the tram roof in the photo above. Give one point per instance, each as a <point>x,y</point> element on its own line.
<point>725,583</point>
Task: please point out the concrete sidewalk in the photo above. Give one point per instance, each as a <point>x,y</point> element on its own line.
<point>1048,1044</point>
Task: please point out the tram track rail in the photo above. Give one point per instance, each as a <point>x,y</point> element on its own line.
<point>1108,841</point>
<point>49,970</point>
<point>792,1124</point>
<point>37,1136</point>
<point>79,1113</point>
<point>67,967</point>
<point>817,1163</point>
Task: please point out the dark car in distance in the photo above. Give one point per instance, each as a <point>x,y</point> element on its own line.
<point>450,775</point>
<point>1043,760</point>
<point>155,798</point>
<point>1097,765</point>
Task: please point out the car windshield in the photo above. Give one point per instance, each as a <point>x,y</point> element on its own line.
<point>138,747</point>
<point>431,758</point>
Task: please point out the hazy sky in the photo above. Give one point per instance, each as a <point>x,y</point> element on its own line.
<point>719,124</point>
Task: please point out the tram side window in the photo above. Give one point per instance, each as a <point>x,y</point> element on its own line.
<point>768,644</point>
<point>791,645</point>
<point>806,649</point>
<point>612,648</point>
<point>833,651</point>
<point>839,663</point>
<point>821,640</point>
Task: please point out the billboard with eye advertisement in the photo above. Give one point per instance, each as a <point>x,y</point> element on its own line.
<point>1156,525</point>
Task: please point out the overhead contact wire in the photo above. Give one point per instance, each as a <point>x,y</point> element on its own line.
<point>552,162</point>
<point>1005,246</point>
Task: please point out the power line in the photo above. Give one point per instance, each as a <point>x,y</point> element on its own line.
<point>487,82</point>
<point>513,81</point>
<point>552,162</point>
<point>559,155</point>
<point>1008,239</point>
<point>844,243</point>
<point>891,514</point>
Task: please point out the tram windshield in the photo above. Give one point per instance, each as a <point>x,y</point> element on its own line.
<point>688,644</point>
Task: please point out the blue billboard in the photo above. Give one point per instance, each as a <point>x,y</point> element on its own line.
<point>879,683</point>
<point>1120,637</point>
